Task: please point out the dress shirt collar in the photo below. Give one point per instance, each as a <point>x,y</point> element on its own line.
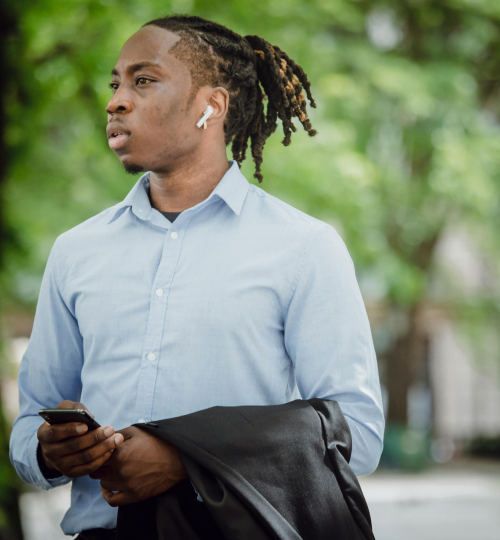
<point>232,189</point>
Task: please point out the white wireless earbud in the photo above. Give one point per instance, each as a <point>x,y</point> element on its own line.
<point>203,120</point>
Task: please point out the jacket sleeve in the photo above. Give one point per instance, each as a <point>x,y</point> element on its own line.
<point>49,373</point>
<point>328,338</point>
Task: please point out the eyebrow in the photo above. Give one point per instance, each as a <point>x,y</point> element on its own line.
<point>136,67</point>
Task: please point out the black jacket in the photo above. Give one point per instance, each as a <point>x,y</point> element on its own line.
<point>264,472</point>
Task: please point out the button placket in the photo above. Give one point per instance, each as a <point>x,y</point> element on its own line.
<point>158,306</point>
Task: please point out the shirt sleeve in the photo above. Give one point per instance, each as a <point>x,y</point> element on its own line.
<point>50,372</point>
<point>328,339</point>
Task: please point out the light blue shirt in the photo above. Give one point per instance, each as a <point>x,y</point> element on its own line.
<point>243,300</point>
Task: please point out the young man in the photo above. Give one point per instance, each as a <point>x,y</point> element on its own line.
<point>197,290</point>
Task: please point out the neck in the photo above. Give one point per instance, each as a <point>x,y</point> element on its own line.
<point>188,184</point>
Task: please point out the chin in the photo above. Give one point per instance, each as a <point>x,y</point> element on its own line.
<point>133,168</point>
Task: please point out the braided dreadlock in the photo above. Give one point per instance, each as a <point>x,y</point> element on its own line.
<point>218,56</point>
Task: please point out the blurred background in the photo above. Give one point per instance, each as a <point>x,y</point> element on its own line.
<point>406,167</point>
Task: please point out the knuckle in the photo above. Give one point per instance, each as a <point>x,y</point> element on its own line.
<point>85,457</point>
<point>80,469</point>
<point>73,445</point>
<point>109,444</point>
<point>98,435</point>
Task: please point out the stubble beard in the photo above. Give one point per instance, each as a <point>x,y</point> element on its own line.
<point>133,168</point>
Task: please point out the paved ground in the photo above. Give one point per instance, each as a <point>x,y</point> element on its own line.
<point>454,502</point>
<point>458,501</point>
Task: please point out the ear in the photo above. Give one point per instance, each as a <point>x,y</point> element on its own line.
<point>219,100</point>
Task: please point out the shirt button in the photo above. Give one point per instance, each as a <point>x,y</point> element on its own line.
<point>159,292</point>
<point>142,421</point>
<point>174,235</point>
<point>151,356</point>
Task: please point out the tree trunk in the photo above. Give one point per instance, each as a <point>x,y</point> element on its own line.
<point>404,361</point>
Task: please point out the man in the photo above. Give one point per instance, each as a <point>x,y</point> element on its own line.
<point>197,290</point>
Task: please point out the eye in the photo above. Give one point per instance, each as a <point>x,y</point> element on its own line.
<point>114,86</point>
<point>141,81</point>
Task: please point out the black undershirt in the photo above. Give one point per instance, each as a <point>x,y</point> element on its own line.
<point>171,216</point>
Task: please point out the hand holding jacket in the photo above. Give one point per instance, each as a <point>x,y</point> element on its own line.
<point>143,466</point>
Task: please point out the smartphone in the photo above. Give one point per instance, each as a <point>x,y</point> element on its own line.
<point>64,416</point>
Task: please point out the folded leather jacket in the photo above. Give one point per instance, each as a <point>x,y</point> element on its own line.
<point>276,472</point>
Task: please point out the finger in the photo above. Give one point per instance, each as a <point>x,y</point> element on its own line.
<point>111,484</point>
<point>102,433</point>
<point>88,440</point>
<point>117,499</point>
<point>102,472</point>
<point>129,432</point>
<point>89,468</point>
<point>88,455</point>
<point>58,432</point>
<point>80,450</point>
<point>67,404</point>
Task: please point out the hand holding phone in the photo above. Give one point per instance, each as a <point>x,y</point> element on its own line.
<point>78,446</point>
<point>65,416</point>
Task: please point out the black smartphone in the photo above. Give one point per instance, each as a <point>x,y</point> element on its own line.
<point>64,416</point>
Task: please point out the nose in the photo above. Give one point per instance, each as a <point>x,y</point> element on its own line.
<point>119,103</point>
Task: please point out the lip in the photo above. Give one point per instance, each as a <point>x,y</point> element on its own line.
<point>120,140</point>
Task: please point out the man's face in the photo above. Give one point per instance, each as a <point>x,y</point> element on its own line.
<point>149,126</point>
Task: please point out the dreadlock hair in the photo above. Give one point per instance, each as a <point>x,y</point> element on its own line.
<point>218,56</point>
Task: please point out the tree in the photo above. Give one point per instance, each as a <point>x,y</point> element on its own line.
<point>408,141</point>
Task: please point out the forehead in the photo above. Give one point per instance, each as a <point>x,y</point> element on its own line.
<point>150,44</point>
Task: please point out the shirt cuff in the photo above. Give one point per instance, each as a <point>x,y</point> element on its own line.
<point>366,448</point>
<point>41,481</point>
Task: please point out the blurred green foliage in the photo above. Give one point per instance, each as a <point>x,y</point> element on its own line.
<point>408,137</point>
<point>408,143</point>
